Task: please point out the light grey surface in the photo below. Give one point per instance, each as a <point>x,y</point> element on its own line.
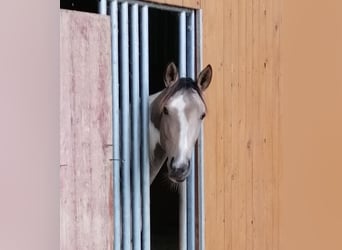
<point>190,59</point>
<point>135,102</point>
<point>182,73</point>
<point>125,126</point>
<point>146,234</point>
<point>116,124</point>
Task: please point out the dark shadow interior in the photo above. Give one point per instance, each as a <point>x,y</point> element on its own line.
<point>80,5</point>
<point>163,49</point>
<point>163,45</point>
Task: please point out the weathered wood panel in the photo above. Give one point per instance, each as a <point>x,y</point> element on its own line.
<point>242,161</point>
<point>85,127</point>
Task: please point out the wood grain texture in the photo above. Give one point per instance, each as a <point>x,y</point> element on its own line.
<point>85,127</point>
<point>242,141</point>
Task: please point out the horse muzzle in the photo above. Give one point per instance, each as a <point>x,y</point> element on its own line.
<point>178,173</point>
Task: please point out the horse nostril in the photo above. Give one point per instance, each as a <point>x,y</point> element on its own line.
<point>171,163</point>
<point>183,170</point>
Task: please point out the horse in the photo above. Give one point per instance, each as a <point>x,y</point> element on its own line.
<point>176,115</point>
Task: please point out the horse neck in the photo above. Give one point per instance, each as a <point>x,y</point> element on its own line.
<point>157,154</point>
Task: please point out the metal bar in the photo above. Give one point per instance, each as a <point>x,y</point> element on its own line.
<point>190,54</point>
<point>116,125</point>
<point>125,125</point>
<point>200,177</point>
<point>134,41</point>
<point>182,73</point>
<point>146,235</point>
<point>102,7</point>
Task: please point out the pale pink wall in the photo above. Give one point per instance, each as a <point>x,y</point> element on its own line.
<point>85,130</point>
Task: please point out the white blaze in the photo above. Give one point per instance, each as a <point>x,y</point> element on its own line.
<point>179,104</point>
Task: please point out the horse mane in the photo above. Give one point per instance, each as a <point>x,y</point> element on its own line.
<point>182,84</point>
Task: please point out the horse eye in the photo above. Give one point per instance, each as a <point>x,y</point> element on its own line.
<point>202,116</point>
<point>165,111</point>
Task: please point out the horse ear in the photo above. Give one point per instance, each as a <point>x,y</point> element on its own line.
<point>171,75</point>
<point>204,78</point>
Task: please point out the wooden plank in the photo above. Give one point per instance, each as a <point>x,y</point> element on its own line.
<point>249,112</point>
<point>85,124</point>
<point>258,230</point>
<point>276,133</point>
<point>227,134</point>
<point>195,4</point>
<point>249,117</point>
<point>213,134</point>
<point>240,128</point>
<point>255,109</point>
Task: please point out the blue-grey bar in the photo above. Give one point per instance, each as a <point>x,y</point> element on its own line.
<point>182,195</point>
<point>134,41</point>
<point>102,7</point>
<point>146,236</point>
<point>200,177</point>
<point>125,125</point>
<point>116,125</point>
<point>190,54</point>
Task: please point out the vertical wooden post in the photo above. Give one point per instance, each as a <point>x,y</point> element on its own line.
<point>86,134</point>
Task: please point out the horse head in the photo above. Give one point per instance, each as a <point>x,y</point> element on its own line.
<point>181,110</point>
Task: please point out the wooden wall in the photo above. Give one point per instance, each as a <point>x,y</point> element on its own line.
<point>85,129</point>
<point>242,161</point>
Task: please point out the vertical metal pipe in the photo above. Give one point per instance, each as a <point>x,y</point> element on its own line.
<point>190,61</point>
<point>125,125</point>
<point>200,177</point>
<point>146,237</point>
<point>182,73</point>
<point>116,124</point>
<point>134,41</point>
<point>102,7</point>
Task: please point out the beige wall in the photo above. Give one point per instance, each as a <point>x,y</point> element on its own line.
<point>311,183</point>
<point>242,162</point>
<point>241,172</point>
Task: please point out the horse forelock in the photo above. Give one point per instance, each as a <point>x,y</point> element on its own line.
<point>185,83</point>
<point>165,95</point>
